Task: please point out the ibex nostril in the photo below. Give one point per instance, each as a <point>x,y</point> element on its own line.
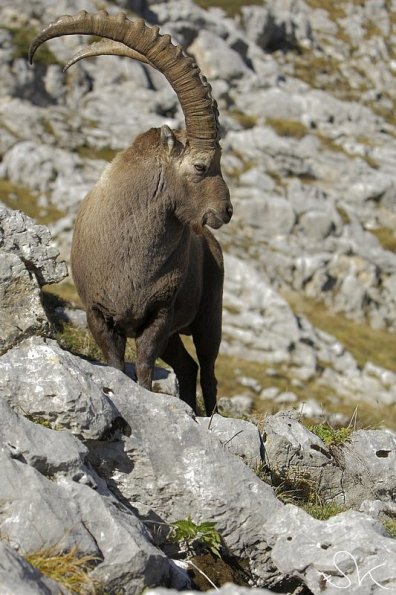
<point>230,211</point>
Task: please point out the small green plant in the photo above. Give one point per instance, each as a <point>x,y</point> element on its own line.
<point>42,421</point>
<point>331,436</point>
<point>206,534</point>
<point>322,512</point>
<point>69,569</point>
<point>390,527</point>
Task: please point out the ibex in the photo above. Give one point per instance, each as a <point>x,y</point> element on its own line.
<point>143,261</point>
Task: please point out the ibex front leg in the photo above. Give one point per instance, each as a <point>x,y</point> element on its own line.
<point>111,341</point>
<point>150,344</point>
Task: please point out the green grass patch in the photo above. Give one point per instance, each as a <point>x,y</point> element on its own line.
<point>69,569</point>
<point>64,292</point>
<point>334,8</point>
<point>329,435</point>
<point>16,196</point>
<point>231,7</point>
<point>41,421</point>
<point>310,67</point>
<point>386,237</point>
<point>106,153</point>
<point>322,512</point>
<point>328,144</point>
<point>390,527</point>
<point>344,215</point>
<point>285,127</point>
<point>247,121</point>
<point>371,30</point>
<point>79,341</point>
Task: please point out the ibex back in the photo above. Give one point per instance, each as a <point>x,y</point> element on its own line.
<point>144,263</point>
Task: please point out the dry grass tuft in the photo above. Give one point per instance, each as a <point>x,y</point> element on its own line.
<point>69,569</point>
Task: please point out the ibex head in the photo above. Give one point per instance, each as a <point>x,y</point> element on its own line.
<point>193,157</point>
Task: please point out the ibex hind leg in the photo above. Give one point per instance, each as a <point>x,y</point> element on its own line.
<point>185,368</point>
<point>207,342</point>
<point>109,340</point>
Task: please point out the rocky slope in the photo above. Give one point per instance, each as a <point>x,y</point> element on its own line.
<point>96,467</point>
<point>307,100</point>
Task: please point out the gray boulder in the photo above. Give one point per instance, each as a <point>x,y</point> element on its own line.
<point>21,312</point>
<point>236,406</point>
<point>167,468</point>
<point>240,437</point>
<point>369,463</point>
<point>27,262</point>
<point>268,215</point>
<point>278,25</point>
<point>63,514</point>
<point>186,471</point>
<point>215,57</point>
<point>349,551</point>
<point>67,505</point>
<point>286,156</point>
<point>42,380</point>
<point>20,235</point>
<point>47,451</point>
<point>362,467</point>
<point>186,19</point>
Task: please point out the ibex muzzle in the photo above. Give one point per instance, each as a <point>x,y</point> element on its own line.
<point>143,261</point>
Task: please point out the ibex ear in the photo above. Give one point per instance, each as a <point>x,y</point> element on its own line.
<point>168,139</point>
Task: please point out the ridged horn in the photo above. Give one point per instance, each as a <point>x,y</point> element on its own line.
<point>106,47</point>
<point>193,90</point>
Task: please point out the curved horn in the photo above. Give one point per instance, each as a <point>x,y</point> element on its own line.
<point>193,90</point>
<point>105,47</point>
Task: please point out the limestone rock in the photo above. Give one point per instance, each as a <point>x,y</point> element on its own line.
<point>28,261</point>
<point>215,58</point>
<point>43,380</point>
<point>236,406</point>
<point>21,312</point>
<point>63,514</point>
<point>334,554</point>
<point>46,450</point>
<point>360,468</point>
<point>237,435</point>
<point>19,234</point>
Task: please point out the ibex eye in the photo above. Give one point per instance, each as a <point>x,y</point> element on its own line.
<point>200,167</point>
